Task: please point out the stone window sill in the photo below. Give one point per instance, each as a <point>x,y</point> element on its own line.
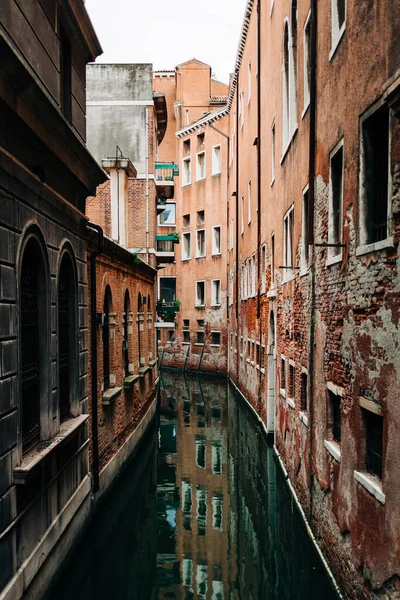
<point>367,248</point>
<point>152,363</point>
<point>110,395</point>
<point>130,381</point>
<point>291,403</point>
<point>215,345</point>
<point>303,417</point>
<point>333,260</point>
<point>282,393</point>
<point>143,371</point>
<point>31,460</point>
<point>333,449</point>
<point>271,293</point>
<point>372,484</point>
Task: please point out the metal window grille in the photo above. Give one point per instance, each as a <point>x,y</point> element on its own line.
<point>64,348</point>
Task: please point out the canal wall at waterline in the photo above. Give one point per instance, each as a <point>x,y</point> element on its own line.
<point>64,532</point>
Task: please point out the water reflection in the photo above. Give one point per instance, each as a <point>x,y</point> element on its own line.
<point>237,533</point>
<point>219,525</point>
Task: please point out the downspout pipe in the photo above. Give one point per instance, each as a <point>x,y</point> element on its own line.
<point>259,160</point>
<point>93,336</point>
<point>237,217</point>
<point>311,195</point>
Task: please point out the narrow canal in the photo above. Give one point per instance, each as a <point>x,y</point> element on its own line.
<point>202,511</point>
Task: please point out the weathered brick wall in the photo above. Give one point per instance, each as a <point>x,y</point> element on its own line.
<point>119,270</point>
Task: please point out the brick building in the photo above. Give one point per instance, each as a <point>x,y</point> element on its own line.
<point>192,291</point>
<point>313,319</point>
<point>124,117</point>
<point>46,173</point>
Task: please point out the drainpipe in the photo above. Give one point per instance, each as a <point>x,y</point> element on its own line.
<point>237,218</point>
<point>93,332</point>
<point>259,160</point>
<point>311,188</point>
<point>147,187</point>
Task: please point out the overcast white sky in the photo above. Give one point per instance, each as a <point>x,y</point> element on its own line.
<point>169,32</point>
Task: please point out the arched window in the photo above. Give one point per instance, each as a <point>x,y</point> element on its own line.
<point>293,70</point>
<point>125,347</point>
<point>106,338</point>
<point>34,342</point>
<point>285,88</point>
<point>67,336</point>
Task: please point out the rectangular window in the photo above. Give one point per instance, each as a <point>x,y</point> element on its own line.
<point>200,337</point>
<point>200,452</point>
<point>305,230</point>
<point>200,293</point>
<point>216,160</point>
<point>186,337</point>
<point>272,261</point>
<point>303,392</point>
<point>374,442</point>
<point>186,171</point>
<point>249,203</point>
<point>288,244</point>
<point>200,243</point>
<point>200,217</point>
<point>216,292</point>
<point>216,240</point>
<point>186,147</point>
<point>171,335</point>
<point>242,215</point>
<point>335,200</point>
<point>65,76</point>
<point>307,63</point>
<point>249,83</point>
<point>283,374</point>
<point>273,155</point>
<point>374,186</point>
<point>200,140</point>
<point>242,107</point>
<point>167,217</point>
<point>186,220</point>
<point>200,166</point>
<point>263,268</point>
<point>216,338</point>
<point>200,322</point>
<point>186,322</point>
<point>338,21</point>
<point>167,289</point>
<point>186,245</point>
<point>231,234</point>
<point>334,416</point>
<point>292,374</point>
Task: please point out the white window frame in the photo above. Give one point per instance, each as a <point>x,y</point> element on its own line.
<point>199,176</point>
<point>198,255</point>
<point>332,256</point>
<point>242,215</point>
<point>241,98</point>
<point>363,247</point>
<point>249,202</point>
<point>306,64</point>
<point>273,152</point>
<point>216,161</point>
<point>197,303</point>
<point>215,292</point>
<point>288,249</point>
<point>186,255</point>
<point>186,180</point>
<point>249,82</point>
<point>336,32</point>
<point>304,225</point>
<point>167,224</point>
<point>216,251</point>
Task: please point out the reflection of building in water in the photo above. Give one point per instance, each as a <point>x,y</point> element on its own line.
<point>201,545</point>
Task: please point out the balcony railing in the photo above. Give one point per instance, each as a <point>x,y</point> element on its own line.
<point>168,307</point>
<point>166,172</point>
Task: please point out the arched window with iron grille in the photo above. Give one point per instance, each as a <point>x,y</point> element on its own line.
<point>106,338</point>
<point>33,336</point>
<point>67,336</point>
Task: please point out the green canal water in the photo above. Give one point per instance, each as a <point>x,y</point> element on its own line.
<point>201,512</point>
